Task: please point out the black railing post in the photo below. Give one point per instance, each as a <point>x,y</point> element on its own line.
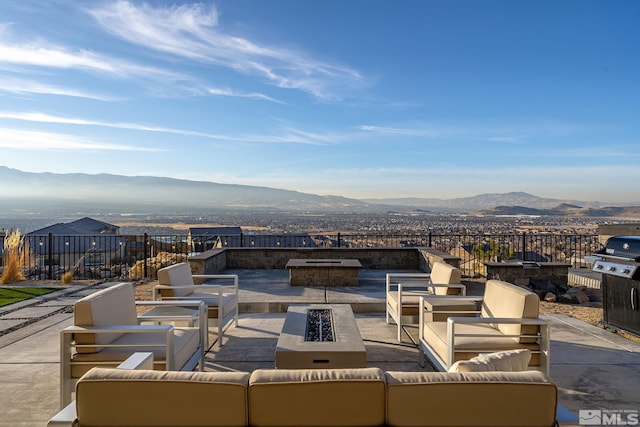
<point>145,254</point>
<point>524,246</point>
<point>242,240</point>
<point>339,237</point>
<point>429,240</point>
<point>50,256</point>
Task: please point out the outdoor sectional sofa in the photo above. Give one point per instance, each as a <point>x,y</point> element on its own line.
<point>312,397</point>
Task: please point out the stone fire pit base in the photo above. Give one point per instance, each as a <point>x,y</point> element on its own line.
<point>323,272</point>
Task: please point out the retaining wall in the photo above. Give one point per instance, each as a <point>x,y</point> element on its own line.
<point>218,260</point>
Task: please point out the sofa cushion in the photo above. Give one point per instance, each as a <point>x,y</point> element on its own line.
<point>117,397</point>
<point>317,397</point>
<point>111,306</point>
<point>175,275</point>
<point>508,360</point>
<point>470,399</point>
<point>503,299</point>
<point>185,344</point>
<point>443,273</point>
<point>435,333</point>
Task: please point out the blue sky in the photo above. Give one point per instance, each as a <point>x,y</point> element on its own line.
<point>359,98</point>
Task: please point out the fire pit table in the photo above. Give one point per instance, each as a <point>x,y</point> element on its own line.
<point>320,336</point>
<point>323,272</point>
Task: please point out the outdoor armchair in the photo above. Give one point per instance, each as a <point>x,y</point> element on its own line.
<point>107,330</point>
<point>508,320</point>
<point>177,283</point>
<point>403,291</point>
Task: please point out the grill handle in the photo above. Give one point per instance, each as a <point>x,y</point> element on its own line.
<point>634,298</point>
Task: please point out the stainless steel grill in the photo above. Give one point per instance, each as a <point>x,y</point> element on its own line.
<point>619,263</point>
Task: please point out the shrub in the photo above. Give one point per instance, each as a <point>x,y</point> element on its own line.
<point>67,277</point>
<point>12,272</point>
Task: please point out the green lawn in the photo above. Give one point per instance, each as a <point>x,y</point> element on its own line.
<point>11,295</point>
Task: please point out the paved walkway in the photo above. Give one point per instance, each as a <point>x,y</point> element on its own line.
<point>594,368</point>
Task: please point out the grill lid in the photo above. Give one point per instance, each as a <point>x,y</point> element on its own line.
<point>624,247</point>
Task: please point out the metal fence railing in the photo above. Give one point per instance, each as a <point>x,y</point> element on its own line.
<point>138,256</point>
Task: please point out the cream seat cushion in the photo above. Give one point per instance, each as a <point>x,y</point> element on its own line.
<point>492,340</point>
<point>185,342</point>
<point>507,361</point>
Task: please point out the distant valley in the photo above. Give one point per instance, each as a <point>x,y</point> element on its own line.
<point>33,193</point>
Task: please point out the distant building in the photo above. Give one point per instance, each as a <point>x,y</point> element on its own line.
<point>84,243</point>
<point>202,239</point>
<point>84,225</point>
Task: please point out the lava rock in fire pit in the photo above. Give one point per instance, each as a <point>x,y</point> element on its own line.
<point>319,325</point>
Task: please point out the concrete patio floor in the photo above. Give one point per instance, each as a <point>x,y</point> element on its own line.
<point>594,368</point>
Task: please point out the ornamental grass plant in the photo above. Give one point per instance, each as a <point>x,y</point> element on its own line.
<point>12,272</point>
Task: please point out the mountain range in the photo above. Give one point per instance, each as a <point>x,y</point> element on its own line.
<point>26,191</point>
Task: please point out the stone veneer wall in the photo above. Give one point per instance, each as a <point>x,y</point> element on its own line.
<point>555,272</point>
<point>218,260</point>
<point>209,262</point>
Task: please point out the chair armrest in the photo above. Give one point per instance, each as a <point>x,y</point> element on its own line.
<point>67,417</point>
<point>186,302</point>
<point>463,288</point>
<point>502,320</point>
<point>212,289</point>
<point>139,360</point>
<point>391,276</point>
<point>115,329</point>
<point>215,276</point>
<point>196,304</point>
<point>233,277</point>
<point>191,287</point>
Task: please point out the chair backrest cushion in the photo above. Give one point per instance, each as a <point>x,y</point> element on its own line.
<point>503,299</point>
<point>441,399</point>
<point>111,306</point>
<point>443,273</point>
<point>118,397</point>
<point>176,275</point>
<point>317,397</point>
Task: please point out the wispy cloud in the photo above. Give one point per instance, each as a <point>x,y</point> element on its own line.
<point>43,54</point>
<point>232,93</point>
<point>286,135</point>
<point>18,139</point>
<point>508,139</point>
<point>439,131</point>
<point>429,133</point>
<point>47,118</point>
<point>24,87</point>
<point>191,31</point>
